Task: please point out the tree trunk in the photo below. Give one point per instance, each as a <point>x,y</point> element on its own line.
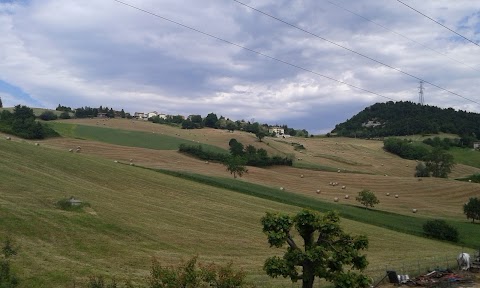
<point>308,276</point>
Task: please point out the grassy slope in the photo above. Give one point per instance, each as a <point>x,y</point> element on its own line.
<point>466,156</point>
<point>136,213</point>
<point>124,137</point>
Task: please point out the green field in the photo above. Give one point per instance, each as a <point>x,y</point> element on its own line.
<point>125,137</point>
<point>466,156</point>
<point>137,213</point>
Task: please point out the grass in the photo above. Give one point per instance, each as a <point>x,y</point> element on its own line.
<point>318,167</point>
<point>136,214</point>
<point>125,137</point>
<point>466,156</point>
<point>470,235</point>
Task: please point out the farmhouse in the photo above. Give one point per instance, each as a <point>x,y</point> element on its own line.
<point>151,114</point>
<point>279,131</point>
<point>476,145</point>
<point>138,115</point>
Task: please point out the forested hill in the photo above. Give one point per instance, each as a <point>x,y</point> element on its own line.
<point>407,118</point>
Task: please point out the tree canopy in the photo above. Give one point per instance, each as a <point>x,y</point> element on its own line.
<point>328,252</point>
<point>367,198</point>
<point>407,118</point>
<point>471,209</point>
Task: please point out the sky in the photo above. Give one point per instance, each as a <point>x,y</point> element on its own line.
<point>91,53</point>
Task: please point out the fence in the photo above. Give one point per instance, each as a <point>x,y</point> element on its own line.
<point>378,272</point>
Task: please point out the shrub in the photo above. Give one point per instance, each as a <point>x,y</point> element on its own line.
<point>48,115</point>
<point>439,229</point>
<point>65,115</point>
<point>66,204</point>
<point>421,170</point>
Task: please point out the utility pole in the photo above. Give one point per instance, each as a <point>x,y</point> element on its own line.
<point>420,93</point>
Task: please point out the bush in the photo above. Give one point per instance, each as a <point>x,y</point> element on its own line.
<point>439,229</point>
<point>65,115</point>
<point>66,204</point>
<point>48,115</point>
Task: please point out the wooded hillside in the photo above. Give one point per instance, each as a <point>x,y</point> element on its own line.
<point>407,118</point>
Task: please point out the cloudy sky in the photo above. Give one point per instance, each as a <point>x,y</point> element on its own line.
<point>102,52</point>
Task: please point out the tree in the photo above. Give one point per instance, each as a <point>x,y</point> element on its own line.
<point>236,148</point>
<point>471,209</point>
<point>367,198</point>
<point>1,104</point>
<point>211,120</point>
<point>439,163</point>
<point>64,115</point>
<point>122,114</point>
<point>421,170</point>
<point>260,135</point>
<point>327,250</point>
<point>236,166</point>
<point>231,126</point>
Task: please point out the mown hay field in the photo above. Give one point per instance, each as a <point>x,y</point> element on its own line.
<point>136,214</point>
<point>432,197</point>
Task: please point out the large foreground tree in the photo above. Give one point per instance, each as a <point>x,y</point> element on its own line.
<point>328,252</point>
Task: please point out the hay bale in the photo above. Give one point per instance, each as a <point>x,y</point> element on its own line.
<point>8,138</point>
<point>301,176</point>
<point>414,210</point>
<point>318,191</point>
<point>344,187</point>
<point>396,195</point>
<point>331,183</point>
<point>470,181</point>
<point>347,196</point>
<point>281,188</point>
<point>131,164</point>
<point>78,150</point>
<point>78,147</point>
<point>70,150</point>
<point>115,161</point>
<point>37,144</point>
<point>335,199</point>
<point>388,194</point>
<point>206,162</point>
<point>131,160</point>
<point>338,171</point>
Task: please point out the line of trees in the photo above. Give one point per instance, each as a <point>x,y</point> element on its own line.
<point>248,154</point>
<point>22,123</point>
<point>213,121</point>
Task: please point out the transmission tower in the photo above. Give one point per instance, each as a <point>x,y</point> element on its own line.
<point>420,93</point>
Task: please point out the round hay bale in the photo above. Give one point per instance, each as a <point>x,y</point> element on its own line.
<point>318,191</point>
<point>382,164</point>
<point>414,210</point>
<point>8,138</point>
<point>131,160</point>
<point>388,194</point>
<point>331,183</point>
<point>77,150</point>
<point>131,164</point>
<point>301,176</point>
<point>344,187</point>
<point>396,195</point>
<point>470,181</point>
<point>115,161</point>
<point>338,171</point>
<point>281,188</point>
<point>347,196</point>
<point>78,147</point>
<point>70,150</point>
<point>335,199</point>
<point>37,144</point>
<point>206,162</point>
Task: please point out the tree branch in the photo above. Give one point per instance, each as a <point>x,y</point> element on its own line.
<point>291,242</point>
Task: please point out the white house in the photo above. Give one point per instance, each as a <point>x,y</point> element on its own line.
<point>279,131</point>
<point>139,115</point>
<point>151,114</point>
<point>476,145</point>
<point>162,116</point>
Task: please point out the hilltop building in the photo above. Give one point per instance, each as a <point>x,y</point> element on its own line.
<point>279,131</point>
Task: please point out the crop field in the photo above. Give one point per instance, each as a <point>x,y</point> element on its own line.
<point>125,137</point>
<point>432,197</point>
<point>135,214</point>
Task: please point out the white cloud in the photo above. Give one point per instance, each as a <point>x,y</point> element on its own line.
<point>87,52</point>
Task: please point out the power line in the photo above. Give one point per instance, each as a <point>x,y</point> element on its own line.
<point>402,35</point>
<point>353,51</point>
<point>252,50</point>
<point>438,23</point>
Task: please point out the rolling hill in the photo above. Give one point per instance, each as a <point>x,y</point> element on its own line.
<point>138,213</point>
